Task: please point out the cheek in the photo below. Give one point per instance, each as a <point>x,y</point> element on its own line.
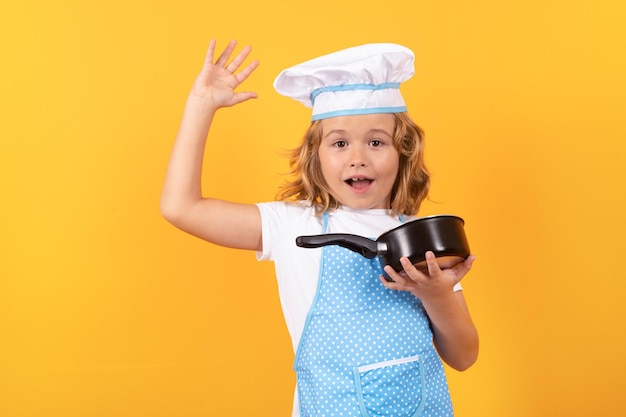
<point>323,167</point>
<point>329,167</point>
<point>392,168</point>
<point>325,175</point>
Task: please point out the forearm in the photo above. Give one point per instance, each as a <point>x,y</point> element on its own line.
<point>455,335</point>
<point>182,185</point>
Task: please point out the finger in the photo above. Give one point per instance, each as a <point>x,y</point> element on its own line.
<point>225,55</point>
<point>409,276</point>
<point>208,59</point>
<point>408,267</point>
<point>431,263</point>
<point>412,273</point>
<point>238,60</point>
<point>244,96</point>
<point>392,285</point>
<point>396,277</point>
<point>245,73</point>
<point>400,280</point>
<point>464,267</point>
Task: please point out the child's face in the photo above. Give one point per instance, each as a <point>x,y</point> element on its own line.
<point>358,159</point>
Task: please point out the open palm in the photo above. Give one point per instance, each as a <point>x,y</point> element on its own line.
<point>216,83</point>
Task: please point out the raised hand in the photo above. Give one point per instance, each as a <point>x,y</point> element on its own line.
<point>215,85</point>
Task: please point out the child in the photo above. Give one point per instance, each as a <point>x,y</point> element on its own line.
<point>364,345</point>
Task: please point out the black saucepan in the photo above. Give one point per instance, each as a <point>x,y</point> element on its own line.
<point>444,235</point>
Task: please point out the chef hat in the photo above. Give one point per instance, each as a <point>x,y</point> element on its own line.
<point>359,80</point>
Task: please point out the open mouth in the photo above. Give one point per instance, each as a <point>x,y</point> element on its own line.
<point>359,183</point>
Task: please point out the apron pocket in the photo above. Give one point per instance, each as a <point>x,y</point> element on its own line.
<point>391,388</point>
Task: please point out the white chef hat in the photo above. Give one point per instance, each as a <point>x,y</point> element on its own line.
<point>359,80</point>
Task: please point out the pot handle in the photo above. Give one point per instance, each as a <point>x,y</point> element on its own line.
<point>367,247</point>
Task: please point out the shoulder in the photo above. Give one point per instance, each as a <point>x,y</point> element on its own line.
<point>286,210</point>
<point>282,222</point>
<point>284,218</point>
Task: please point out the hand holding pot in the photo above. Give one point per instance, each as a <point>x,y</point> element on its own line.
<point>427,284</point>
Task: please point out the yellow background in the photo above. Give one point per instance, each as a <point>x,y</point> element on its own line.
<point>107,310</point>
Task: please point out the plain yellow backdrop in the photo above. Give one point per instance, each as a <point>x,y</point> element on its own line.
<point>107,310</point>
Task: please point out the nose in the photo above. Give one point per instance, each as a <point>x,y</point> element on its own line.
<point>357,158</point>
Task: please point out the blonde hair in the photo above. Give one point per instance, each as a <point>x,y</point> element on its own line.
<point>307,182</point>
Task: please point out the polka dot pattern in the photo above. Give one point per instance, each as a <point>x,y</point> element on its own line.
<point>366,350</point>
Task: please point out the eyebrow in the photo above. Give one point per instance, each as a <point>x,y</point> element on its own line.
<point>342,131</point>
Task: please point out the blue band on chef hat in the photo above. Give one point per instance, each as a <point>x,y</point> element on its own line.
<point>353,112</point>
<point>349,87</point>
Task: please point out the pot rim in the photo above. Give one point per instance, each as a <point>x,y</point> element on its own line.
<point>421,220</point>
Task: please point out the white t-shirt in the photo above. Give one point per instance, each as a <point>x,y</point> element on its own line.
<point>297,269</point>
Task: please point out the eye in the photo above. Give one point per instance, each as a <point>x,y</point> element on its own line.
<point>340,144</point>
<point>376,142</point>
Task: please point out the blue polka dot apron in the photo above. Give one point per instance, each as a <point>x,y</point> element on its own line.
<point>366,351</point>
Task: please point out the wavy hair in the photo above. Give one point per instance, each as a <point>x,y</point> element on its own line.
<point>306,181</point>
